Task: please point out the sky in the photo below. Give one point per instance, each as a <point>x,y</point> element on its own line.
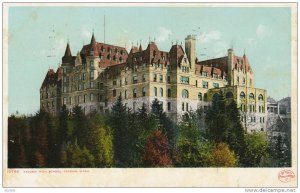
<point>38,38</point>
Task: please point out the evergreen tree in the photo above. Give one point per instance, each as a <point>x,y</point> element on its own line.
<point>236,132</point>
<point>168,127</point>
<point>63,136</point>
<point>119,122</point>
<point>80,126</point>
<point>216,120</point>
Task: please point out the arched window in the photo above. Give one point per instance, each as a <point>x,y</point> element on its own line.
<point>242,95</point>
<point>185,94</point>
<point>134,93</point>
<point>215,97</point>
<point>155,91</point>
<point>229,95</point>
<point>169,92</point>
<point>260,97</point>
<point>200,96</point>
<point>125,95</point>
<point>251,96</point>
<point>161,92</point>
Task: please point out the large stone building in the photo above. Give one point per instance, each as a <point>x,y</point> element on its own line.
<point>100,73</point>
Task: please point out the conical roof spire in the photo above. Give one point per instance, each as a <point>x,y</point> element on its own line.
<point>68,50</point>
<point>93,40</point>
<point>140,48</point>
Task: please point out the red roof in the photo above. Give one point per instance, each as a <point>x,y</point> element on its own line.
<point>53,78</point>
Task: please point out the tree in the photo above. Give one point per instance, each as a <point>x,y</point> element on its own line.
<point>255,149</point>
<point>80,124</point>
<point>216,120</point>
<point>118,120</point>
<point>236,132</point>
<point>39,139</point>
<point>222,156</point>
<point>168,127</point>
<point>100,141</point>
<point>192,150</point>
<point>279,152</point>
<point>79,157</point>
<point>157,152</point>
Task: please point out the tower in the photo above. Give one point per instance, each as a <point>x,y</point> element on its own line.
<point>190,49</point>
<point>230,77</point>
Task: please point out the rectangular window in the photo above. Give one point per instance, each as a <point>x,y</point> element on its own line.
<point>169,79</point>
<point>187,107</point>
<point>120,82</point>
<point>126,81</point>
<point>204,74</point>
<point>92,74</point>
<point>91,84</point>
<point>204,84</point>
<point>184,80</point>
<point>135,79</point>
<point>114,82</point>
<point>101,86</point>
<point>144,77</point>
<point>71,100</point>
<point>244,80</point>
<point>196,83</point>
<point>182,106</point>
<point>92,97</point>
<point>169,106</point>
<point>114,93</point>
<point>92,64</point>
<point>160,78</point>
<point>154,77</point>
<point>216,85</point>
<point>83,76</point>
<point>84,98</point>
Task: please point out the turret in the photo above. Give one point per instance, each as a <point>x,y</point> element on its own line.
<point>190,49</point>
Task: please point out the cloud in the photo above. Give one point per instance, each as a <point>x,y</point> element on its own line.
<point>252,41</point>
<point>263,31</point>
<point>85,31</point>
<point>164,34</point>
<point>210,36</point>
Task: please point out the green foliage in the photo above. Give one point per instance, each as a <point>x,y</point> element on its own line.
<point>280,152</point>
<point>192,149</point>
<point>256,148</point>
<point>192,154</point>
<point>217,120</point>
<point>168,127</point>
<point>100,141</point>
<point>80,126</point>
<point>79,157</point>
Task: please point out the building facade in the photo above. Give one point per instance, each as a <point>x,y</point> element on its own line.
<point>100,73</point>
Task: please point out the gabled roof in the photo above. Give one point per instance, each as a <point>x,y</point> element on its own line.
<point>52,78</point>
<point>109,54</point>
